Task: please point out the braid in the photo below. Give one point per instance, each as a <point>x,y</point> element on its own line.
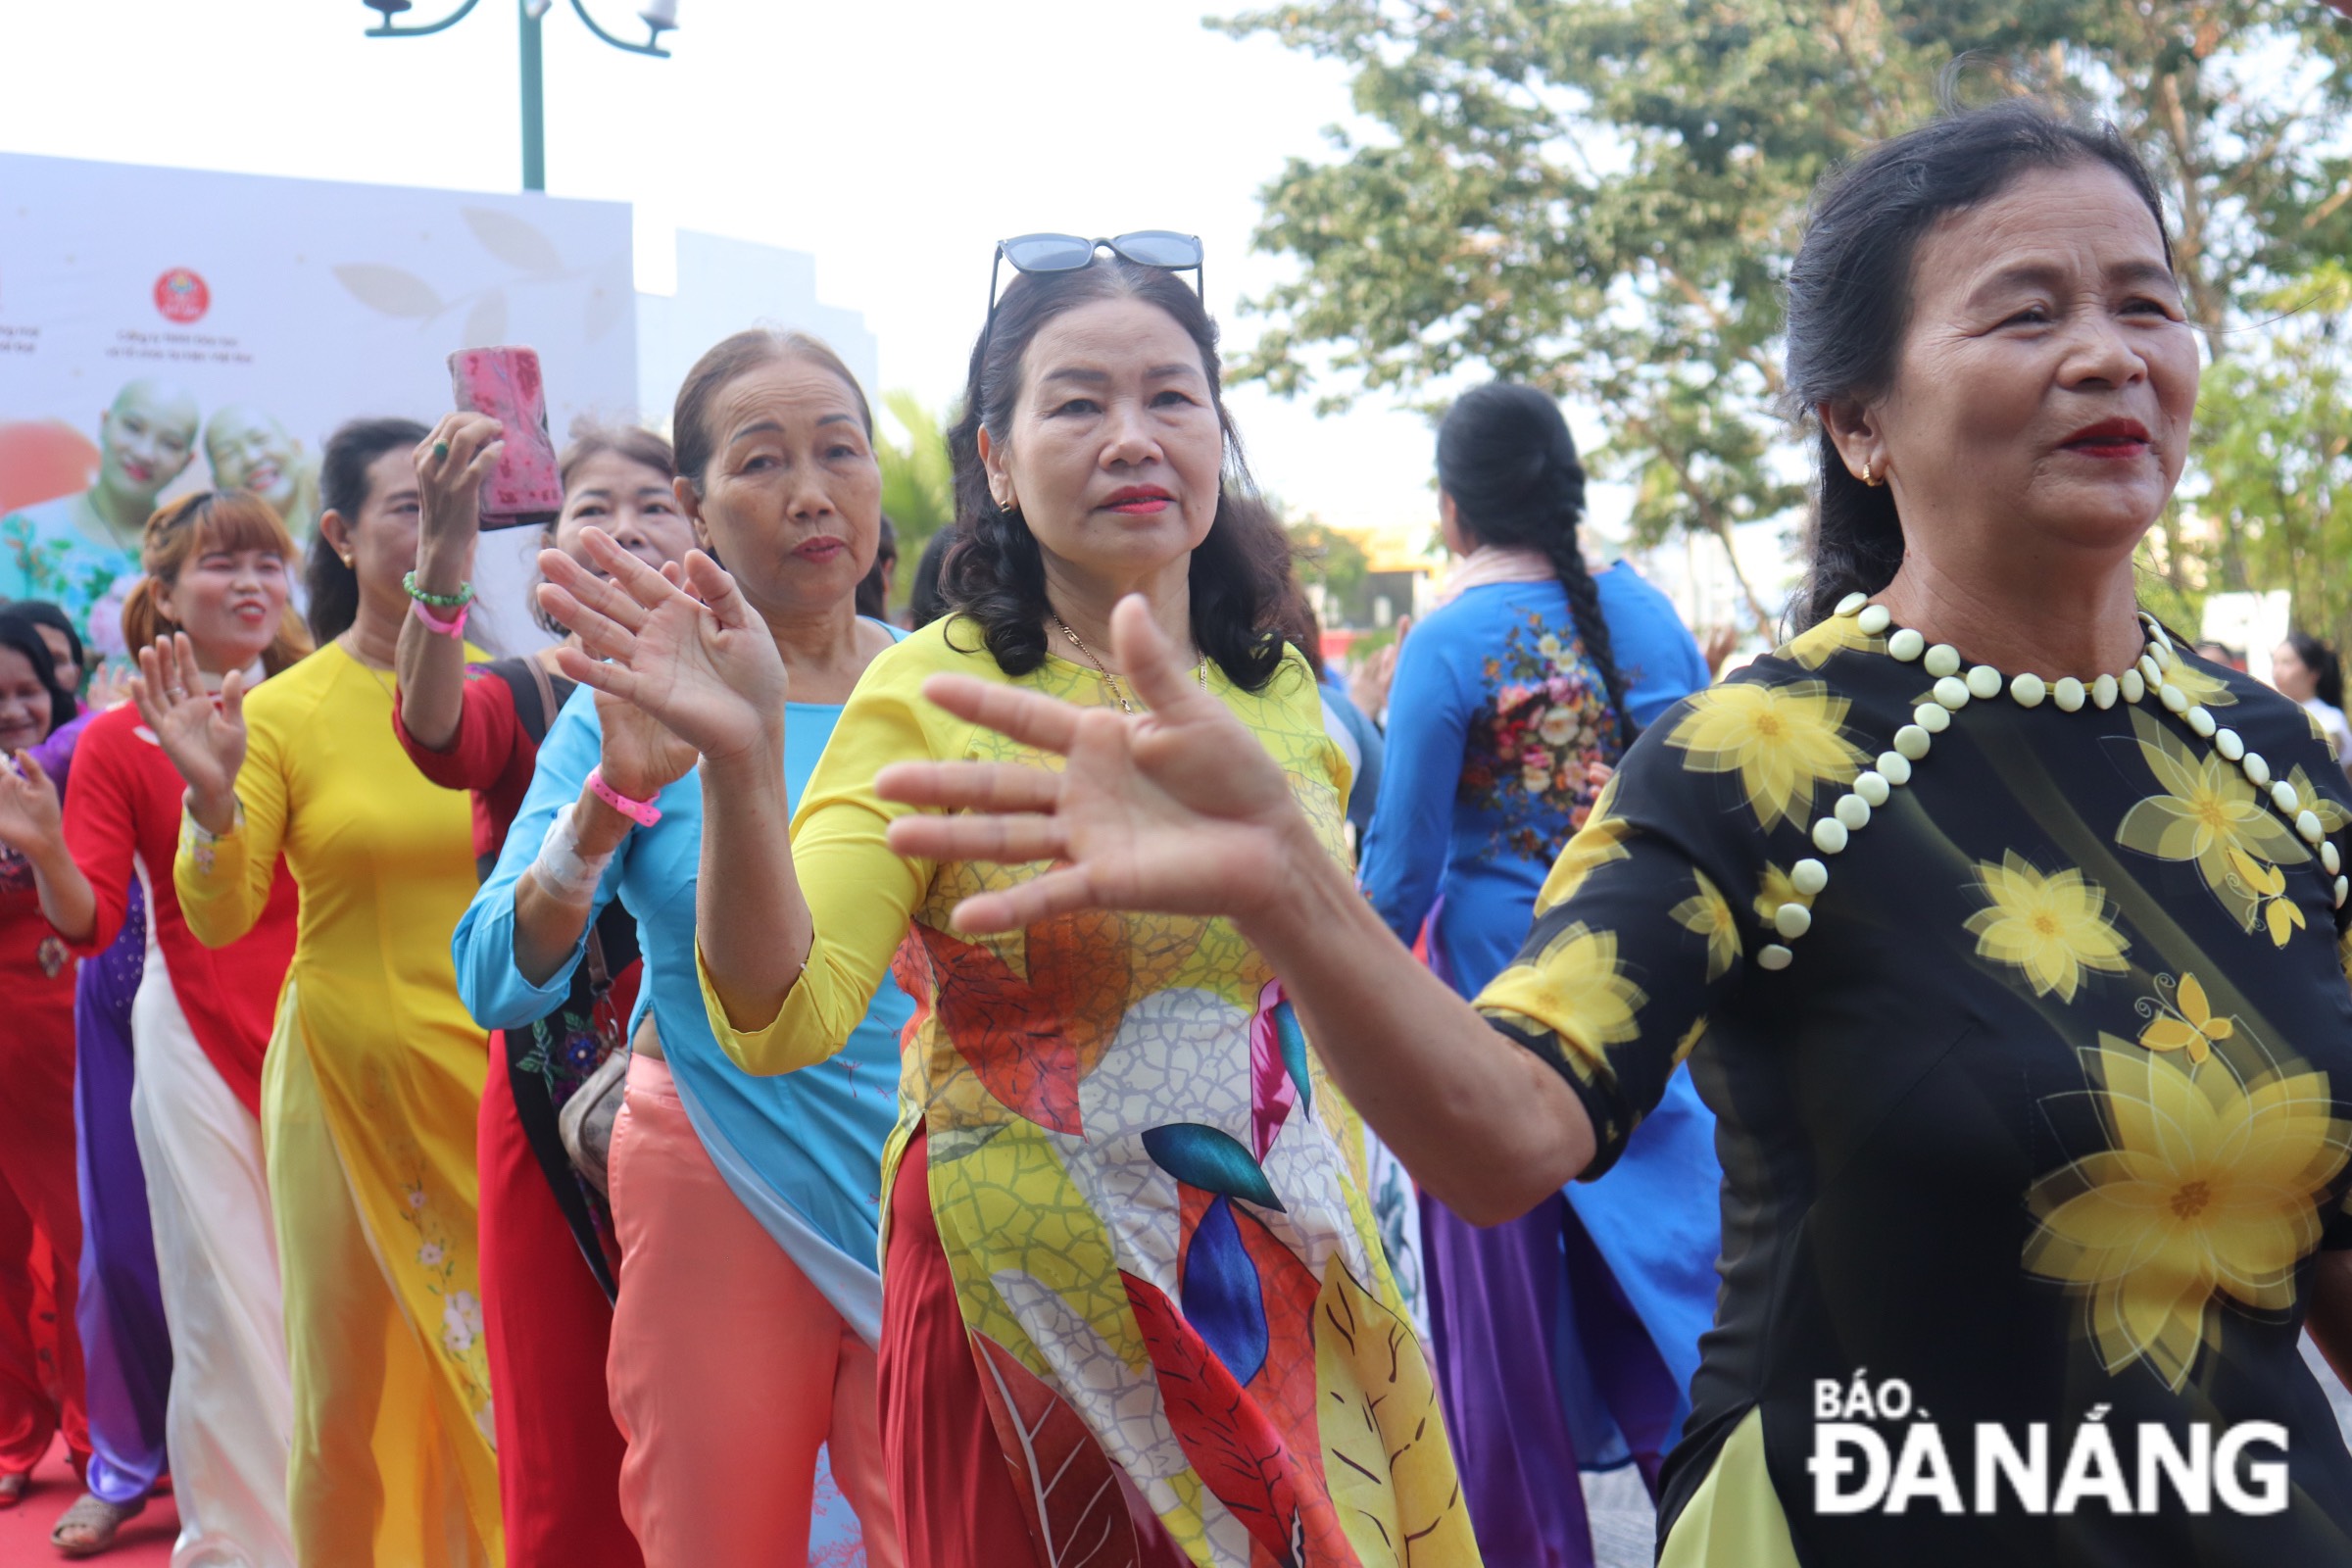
<point>1591,626</point>
<point>1506,460</point>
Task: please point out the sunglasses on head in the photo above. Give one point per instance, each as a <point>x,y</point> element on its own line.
<point>1163,248</point>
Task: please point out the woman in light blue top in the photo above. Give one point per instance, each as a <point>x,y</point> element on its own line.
<point>750,1305</point>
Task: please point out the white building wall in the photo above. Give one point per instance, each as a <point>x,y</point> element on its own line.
<point>725,285</point>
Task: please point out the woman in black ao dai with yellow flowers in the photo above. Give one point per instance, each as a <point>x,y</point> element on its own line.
<point>2001,935</point>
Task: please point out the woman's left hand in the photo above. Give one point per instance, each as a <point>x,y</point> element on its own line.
<point>641,757</point>
<point>30,817</point>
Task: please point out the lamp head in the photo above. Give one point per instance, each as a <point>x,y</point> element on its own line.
<point>659,15</point>
<point>389,7</point>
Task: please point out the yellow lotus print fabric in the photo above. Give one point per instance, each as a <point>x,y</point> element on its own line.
<point>2034,1095</point>
<point>2211,1188</point>
<point>2051,927</point>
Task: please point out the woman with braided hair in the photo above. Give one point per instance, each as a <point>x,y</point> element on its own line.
<point>1510,702</point>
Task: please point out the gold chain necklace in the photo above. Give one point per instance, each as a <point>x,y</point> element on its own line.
<point>1111,682</point>
<point>346,643</point>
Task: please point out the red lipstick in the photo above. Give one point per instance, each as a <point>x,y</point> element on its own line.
<point>1139,499</point>
<point>2110,438</point>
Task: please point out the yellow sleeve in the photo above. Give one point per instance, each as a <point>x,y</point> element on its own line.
<point>861,892</point>
<point>224,882</point>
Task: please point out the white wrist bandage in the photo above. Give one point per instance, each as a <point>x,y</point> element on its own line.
<point>561,866</point>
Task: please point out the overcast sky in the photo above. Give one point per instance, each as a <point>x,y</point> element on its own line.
<point>896,141</point>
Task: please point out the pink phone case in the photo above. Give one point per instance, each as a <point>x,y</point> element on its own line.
<point>504,383</point>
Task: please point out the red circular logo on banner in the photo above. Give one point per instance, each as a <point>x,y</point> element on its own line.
<point>182,296</point>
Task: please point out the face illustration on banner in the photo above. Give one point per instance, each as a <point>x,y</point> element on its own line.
<point>81,552</point>
<point>248,449</point>
<point>145,439</point>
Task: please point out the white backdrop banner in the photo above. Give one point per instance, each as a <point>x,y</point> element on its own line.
<point>165,330</point>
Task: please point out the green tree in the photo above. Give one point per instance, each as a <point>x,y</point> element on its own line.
<point>2278,454</point>
<point>918,484</point>
<point>1328,557</point>
<point>1601,197</point>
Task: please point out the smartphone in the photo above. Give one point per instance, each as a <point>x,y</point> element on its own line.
<point>525,488</point>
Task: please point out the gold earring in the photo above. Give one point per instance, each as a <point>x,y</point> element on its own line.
<point>1866,479</point>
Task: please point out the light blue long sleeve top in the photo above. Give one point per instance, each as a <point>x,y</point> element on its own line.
<point>801,1151</point>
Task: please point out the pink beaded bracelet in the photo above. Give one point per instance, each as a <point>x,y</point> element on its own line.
<point>644,814</point>
<point>453,626</point>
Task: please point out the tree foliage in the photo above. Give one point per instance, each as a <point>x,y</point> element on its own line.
<point>1326,555</point>
<point>919,485</point>
<point>2277,453</point>
<point>1601,197</point>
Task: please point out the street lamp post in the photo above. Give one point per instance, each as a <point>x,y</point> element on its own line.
<point>658,16</point>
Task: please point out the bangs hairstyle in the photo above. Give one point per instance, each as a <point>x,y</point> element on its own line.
<point>994,574</point>
<point>591,440</point>
<point>196,525</point>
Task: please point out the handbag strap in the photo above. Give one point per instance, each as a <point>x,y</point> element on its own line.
<point>547,694</point>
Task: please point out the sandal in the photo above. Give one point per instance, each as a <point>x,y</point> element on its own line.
<point>12,1486</point>
<point>90,1526</point>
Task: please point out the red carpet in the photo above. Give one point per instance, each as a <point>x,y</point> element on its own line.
<point>145,1542</point>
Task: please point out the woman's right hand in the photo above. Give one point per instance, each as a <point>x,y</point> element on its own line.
<point>450,488</point>
<point>205,740</point>
<point>1179,810</point>
<point>682,644</point>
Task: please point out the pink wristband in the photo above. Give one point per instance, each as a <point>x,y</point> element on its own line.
<point>453,626</point>
<point>644,814</point>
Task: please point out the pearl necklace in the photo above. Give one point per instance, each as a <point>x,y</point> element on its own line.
<point>1873,787</point>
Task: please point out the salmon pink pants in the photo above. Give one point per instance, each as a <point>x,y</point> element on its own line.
<point>728,1370</point>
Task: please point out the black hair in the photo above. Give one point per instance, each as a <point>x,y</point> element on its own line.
<point>22,631</point>
<point>2321,660</point>
<point>331,587</point>
<point>923,602</point>
<point>995,575</point>
<point>40,612</point>
<point>1296,619</point>
<point>1849,298</point>
<point>873,594</point>
<point>1506,456</point>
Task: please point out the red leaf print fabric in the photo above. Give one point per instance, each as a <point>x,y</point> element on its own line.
<point>1077,1507</point>
<point>1030,1041</point>
<point>1233,1446</point>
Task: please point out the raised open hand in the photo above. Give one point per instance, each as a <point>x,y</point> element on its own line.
<point>110,687</point>
<point>31,819</point>
<point>691,653</point>
<point>642,756</point>
<point>1179,810</point>
<point>204,739</point>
